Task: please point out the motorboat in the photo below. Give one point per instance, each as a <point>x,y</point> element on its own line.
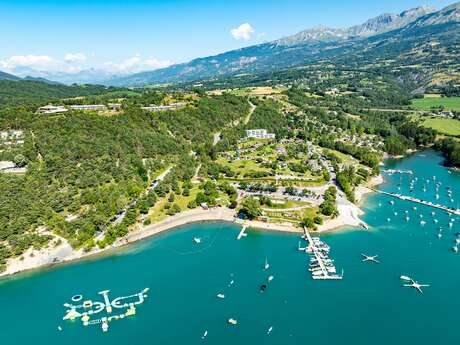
<point>267,265</point>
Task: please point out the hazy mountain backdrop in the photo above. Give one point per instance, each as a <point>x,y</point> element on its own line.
<point>421,37</point>
<point>414,36</point>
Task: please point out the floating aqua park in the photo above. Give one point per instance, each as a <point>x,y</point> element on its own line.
<point>88,311</point>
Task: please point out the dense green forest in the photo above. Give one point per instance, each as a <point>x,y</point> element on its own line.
<point>267,115</point>
<point>90,166</point>
<point>28,91</point>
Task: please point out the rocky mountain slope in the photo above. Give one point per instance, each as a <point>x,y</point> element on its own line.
<point>414,36</point>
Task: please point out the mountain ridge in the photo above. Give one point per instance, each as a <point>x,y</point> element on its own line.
<point>302,48</point>
<point>376,25</point>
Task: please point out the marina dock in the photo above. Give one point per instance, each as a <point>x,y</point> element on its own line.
<point>242,232</point>
<point>422,202</point>
<point>321,266</point>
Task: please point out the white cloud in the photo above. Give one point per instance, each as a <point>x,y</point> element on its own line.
<point>33,61</point>
<point>137,64</point>
<point>76,62</point>
<point>74,57</point>
<point>242,32</point>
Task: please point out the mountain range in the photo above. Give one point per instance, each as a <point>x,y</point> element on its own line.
<point>389,37</point>
<point>421,36</point>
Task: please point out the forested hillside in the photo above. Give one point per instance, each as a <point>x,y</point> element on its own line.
<point>83,168</point>
<point>30,91</point>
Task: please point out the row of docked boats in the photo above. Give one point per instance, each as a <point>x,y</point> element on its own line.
<point>321,265</point>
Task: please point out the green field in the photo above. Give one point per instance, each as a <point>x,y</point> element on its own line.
<point>449,103</point>
<point>444,126</point>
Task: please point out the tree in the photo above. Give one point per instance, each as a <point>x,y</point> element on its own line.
<point>19,160</point>
<point>251,208</point>
<point>201,198</point>
<point>328,208</point>
<point>308,223</point>
<point>318,220</point>
<point>192,204</point>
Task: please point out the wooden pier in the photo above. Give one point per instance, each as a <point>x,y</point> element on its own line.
<point>421,202</point>
<point>242,232</point>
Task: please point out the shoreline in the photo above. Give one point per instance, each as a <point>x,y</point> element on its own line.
<point>31,260</point>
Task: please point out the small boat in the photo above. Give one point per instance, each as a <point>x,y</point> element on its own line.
<point>270,279</point>
<point>205,334</point>
<point>232,321</point>
<point>405,278</point>
<point>59,328</point>
<point>220,295</point>
<point>197,240</point>
<point>263,287</point>
<point>270,330</point>
<point>267,265</point>
<point>455,249</point>
<point>77,298</point>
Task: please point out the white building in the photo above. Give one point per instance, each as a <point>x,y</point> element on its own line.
<point>259,134</point>
<point>171,106</point>
<point>88,107</point>
<point>114,106</point>
<point>51,109</point>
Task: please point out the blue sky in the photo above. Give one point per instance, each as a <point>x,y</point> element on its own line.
<point>140,34</point>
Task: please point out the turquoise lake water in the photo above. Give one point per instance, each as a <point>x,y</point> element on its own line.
<point>369,306</point>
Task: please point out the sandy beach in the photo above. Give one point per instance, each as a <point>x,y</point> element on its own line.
<point>349,213</point>
<point>60,251</point>
<point>362,190</point>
